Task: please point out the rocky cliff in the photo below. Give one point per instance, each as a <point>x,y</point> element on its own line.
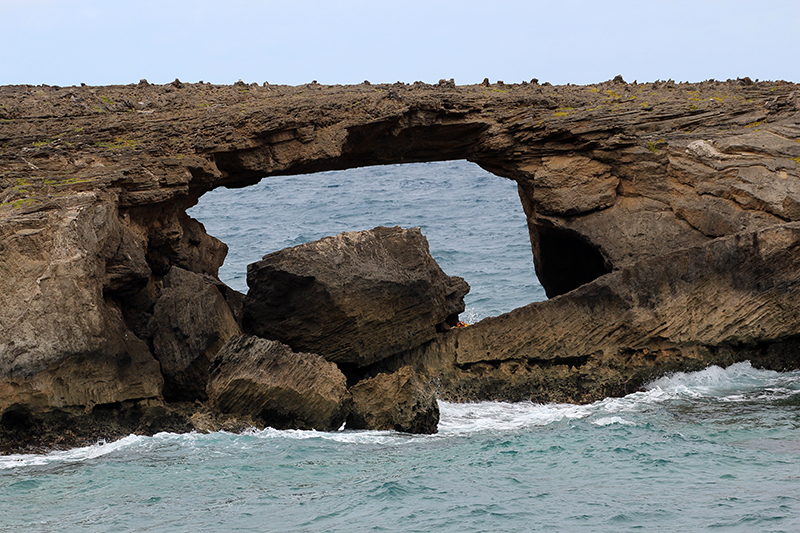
<point>660,215</point>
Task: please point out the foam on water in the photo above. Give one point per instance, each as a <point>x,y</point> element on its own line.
<point>73,455</point>
<point>736,383</point>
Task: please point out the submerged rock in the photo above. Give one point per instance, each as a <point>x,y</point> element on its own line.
<point>266,380</point>
<point>354,298</point>
<point>400,401</point>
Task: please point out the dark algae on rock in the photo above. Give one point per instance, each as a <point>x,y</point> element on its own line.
<point>662,218</point>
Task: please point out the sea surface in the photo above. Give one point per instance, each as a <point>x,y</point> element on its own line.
<point>715,450</point>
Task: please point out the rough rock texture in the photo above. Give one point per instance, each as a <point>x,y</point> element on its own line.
<point>613,177</point>
<point>191,322</point>
<point>63,340</point>
<point>355,298</point>
<point>401,401</point>
<point>284,389</point>
<point>732,299</point>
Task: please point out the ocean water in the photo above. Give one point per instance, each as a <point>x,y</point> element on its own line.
<point>473,221</point>
<point>714,450</point>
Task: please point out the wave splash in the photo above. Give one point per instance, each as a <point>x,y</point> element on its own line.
<point>737,383</point>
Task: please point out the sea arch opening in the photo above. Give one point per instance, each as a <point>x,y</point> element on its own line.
<point>472,219</point>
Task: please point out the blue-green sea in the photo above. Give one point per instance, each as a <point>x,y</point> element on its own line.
<point>715,450</point>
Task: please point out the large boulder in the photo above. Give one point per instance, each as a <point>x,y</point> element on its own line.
<point>354,298</point>
<point>191,322</point>
<point>400,401</point>
<point>266,380</point>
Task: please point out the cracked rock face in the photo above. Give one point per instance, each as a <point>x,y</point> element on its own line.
<point>617,180</point>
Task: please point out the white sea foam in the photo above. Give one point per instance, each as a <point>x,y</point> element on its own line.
<point>610,420</point>
<point>737,382</point>
<point>69,456</point>
<point>342,436</point>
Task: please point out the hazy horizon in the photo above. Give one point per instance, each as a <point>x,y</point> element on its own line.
<point>347,42</point>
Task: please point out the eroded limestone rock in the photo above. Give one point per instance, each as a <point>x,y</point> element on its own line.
<point>732,299</point>
<point>266,380</point>
<point>63,341</point>
<point>191,322</point>
<point>354,298</point>
<point>614,179</point>
<point>400,401</point>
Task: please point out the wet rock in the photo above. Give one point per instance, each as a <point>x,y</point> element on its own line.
<point>400,401</point>
<point>283,389</point>
<point>354,298</point>
<point>191,322</point>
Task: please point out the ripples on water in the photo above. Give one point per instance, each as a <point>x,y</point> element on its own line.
<point>717,449</point>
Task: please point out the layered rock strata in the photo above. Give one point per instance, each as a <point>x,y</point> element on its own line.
<point>277,387</point>
<point>614,178</point>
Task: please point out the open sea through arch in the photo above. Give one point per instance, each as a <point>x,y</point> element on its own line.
<point>712,450</point>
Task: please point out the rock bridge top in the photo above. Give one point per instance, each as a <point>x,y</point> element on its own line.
<point>608,174</point>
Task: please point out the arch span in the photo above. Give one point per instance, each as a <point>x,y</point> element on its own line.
<point>670,183</point>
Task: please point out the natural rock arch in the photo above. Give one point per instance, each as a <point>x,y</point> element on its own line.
<point>664,182</point>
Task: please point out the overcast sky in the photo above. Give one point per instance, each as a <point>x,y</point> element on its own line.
<point>296,41</point>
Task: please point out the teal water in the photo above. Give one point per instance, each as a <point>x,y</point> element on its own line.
<point>715,450</point>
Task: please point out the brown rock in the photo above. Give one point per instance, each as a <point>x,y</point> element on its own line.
<point>286,390</point>
<point>92,206</point>
<point>63,342</point>
<point>566,185</point>
<point>191,322</point>
<point>354,298</point>
<point>732,299</point>
<point>401,401</point>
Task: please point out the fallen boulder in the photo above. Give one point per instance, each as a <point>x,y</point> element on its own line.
<point>401,401</point>
<point>266,380</point>
<point>191,322</point>
<point>354,298</point>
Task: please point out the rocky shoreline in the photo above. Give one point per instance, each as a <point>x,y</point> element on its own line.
<point>663,220</point>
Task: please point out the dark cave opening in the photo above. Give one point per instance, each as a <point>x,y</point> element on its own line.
<point>564,261</point>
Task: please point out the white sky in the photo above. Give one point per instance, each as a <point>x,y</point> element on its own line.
<point>66,42</point>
